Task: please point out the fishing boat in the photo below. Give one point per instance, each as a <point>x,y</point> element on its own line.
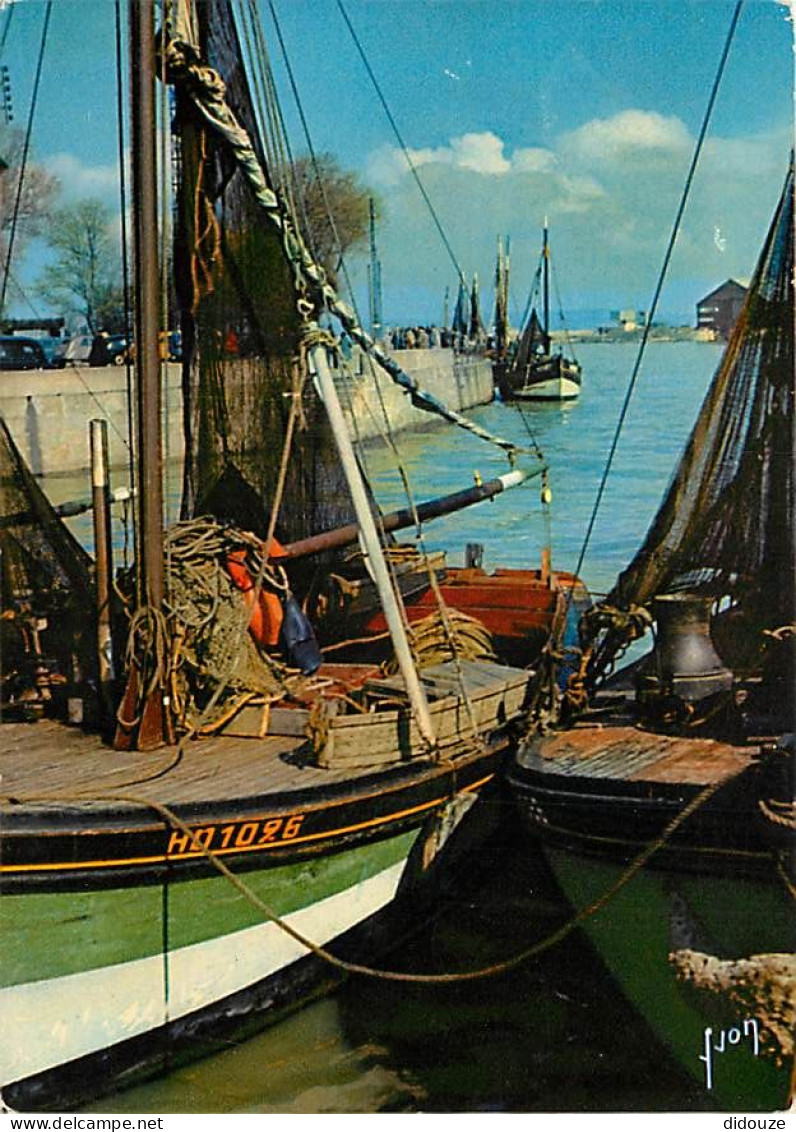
<point>663,794</point>
<point>205,817</point>
<point>533,371</point>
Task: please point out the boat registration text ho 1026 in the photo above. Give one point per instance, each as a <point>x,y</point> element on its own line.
<point>234,836</point>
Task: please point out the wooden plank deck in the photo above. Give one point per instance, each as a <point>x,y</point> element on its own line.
<point>41,759</point>
<point>632,754</point>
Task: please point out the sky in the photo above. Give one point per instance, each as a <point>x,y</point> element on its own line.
<point>582,111</point>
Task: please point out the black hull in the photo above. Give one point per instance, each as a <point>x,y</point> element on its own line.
<point>662,851</point>
<point>561,376</point>
<point>117,845</point>
<point>617,819</point>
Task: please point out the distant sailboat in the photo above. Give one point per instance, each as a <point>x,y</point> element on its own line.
<point>534,372</point>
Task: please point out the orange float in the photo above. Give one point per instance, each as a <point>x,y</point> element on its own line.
<point>265,613</point>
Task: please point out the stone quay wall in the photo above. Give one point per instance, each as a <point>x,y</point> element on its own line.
<point>48,411</point>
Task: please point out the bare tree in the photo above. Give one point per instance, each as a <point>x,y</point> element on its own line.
<point>29,210</point>
<point>85,277</point>
<point>330,189</point>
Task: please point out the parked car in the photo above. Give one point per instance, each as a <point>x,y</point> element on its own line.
<point>53,351</point>
<point>173,345</point>
<point>21,353</point>
<point>109,350</point>
<point>77,349</point>
<point>118,349</point>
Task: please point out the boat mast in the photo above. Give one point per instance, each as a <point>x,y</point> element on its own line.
<point>546,283</point>
<point>502,300</point>
<point>146,305</point>
<point>374,277</point>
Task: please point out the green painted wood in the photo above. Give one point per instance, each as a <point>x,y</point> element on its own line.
<point>732,918</point>
<point>45,935</point>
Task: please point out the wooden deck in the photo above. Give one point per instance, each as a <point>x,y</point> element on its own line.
<point>47,761</point>
<point>631,754</point>
<point>39,760</point>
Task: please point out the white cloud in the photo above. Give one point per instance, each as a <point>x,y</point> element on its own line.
<point>79,180</point>
<point>479,152</point>
<point>483,153</point>
<point>626,133</point>
<point>611,188</point>
<point>534,160</point>
<point>579,192</point>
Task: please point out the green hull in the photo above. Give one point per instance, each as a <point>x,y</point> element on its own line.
<point>96,982</point>
<point>659,912</point>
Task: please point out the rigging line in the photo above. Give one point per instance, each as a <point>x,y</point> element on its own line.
<point>274,133</point>
<point>402,143</point>
<point>361,456</point>
<point>22,293</point>
<point>260,105</point>
<point>280,135</point>
<point>314,160</point>
<point>345,369</point>
<point>165,243</point>
<point>579,916</point>
<point>215,109</point>
<point>524,418</point>
<point>561,316</point>
<point>284,171</point>
<point>25,150</point>
<point>659,286</point>
<point>335,234</point>
<point>534,294</point>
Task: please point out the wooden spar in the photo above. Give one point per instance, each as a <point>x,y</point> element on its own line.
<point>147,289</point>
<point>546,284</point>
<point>64,510</point>
<point>399,520</point>
<point>370,539</point>
<point>146,708</point>
<point>103,560</point>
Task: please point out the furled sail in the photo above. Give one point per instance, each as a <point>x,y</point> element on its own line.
<point>533,341</point>
<point>201,85</point>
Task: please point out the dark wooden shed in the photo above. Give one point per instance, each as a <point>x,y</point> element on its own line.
<point>719,310</point>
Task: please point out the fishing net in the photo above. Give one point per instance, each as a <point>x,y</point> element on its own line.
<point>242,369</point>
<point>726,526</point>
<point>47,632</point>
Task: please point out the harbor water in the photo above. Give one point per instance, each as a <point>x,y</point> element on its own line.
<point>552,1034</point>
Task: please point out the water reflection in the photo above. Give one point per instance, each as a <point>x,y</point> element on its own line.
<point>553,1034</point>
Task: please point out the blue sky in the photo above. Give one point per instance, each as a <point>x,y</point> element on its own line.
<point>582,110</point>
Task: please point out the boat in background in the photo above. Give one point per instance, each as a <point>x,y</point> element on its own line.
<point>663,796</point>
<point>232,819</point>
<point>533,371</point>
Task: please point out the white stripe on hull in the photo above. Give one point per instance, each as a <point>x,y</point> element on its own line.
<point>556,389</point>
<point>54,1021</point>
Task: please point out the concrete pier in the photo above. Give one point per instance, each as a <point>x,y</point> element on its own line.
<point>48,411</point>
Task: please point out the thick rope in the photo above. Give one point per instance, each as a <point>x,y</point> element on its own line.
<point>350,968</point>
